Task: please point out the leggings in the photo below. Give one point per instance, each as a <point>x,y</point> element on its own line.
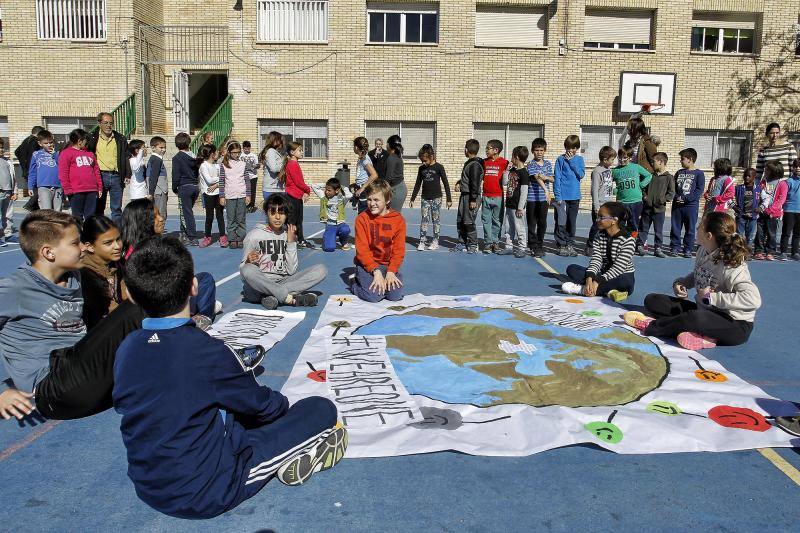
<point>623,282</point>
<point>676,315</point>
<point>211,203</point>
<point>296,217</point>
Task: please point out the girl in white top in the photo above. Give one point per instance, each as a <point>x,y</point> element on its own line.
<point>209,187</point>
<point>138,184</point>
<point>272,160</point>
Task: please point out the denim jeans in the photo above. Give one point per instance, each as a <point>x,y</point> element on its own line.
<point>112,186</point>
<point>746,227</point>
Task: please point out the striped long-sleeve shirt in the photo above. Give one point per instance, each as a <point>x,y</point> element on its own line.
<point>785,153</point>
<point>611,256</point>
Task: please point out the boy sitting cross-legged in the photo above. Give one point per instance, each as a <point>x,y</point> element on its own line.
<point>201,434</point>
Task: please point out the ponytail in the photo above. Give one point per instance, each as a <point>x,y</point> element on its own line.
<point>622,214</point>
<point>394,144</point>
<point>733,249</point>
<point>282,174</point>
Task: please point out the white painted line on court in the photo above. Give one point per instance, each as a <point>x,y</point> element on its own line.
<point>9,251</point>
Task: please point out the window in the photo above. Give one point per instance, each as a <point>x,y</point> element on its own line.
<point>296,21</point>
<point>413,134</point>
<point>714,144</point>
<point>71,20</point>
<point>4,135</point>
<point>794,140</point>
<point>407,24</point>
<point>510,27</point>
<point>593,138</point>
<point>312,134</point>
<point>512,135</point>
<point>61,126</point>
<point>723,33</point>
<point>617,30</point>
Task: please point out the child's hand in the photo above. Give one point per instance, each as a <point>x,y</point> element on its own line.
<point>222,202</point>
<point>448,205</point>
<point>392,281</point>
<point>127,182</point>
<point>590,287</point>
<point>519,213</point>
<point>253,256</point>
<point>378,283</point>
<point>213,187</point>
<point>247,200</point>
<point>680,290</point>
<point>473,206</point>
<point>15,403</point>
<point>291,232</point>
<point>13,197</point>
<point>305,198</point>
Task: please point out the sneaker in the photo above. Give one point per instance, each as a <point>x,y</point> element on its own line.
<point>310,245</point>
<point>472,249</point>
<point>687,255</point>
<point>520,253</point>
<point>434,245</point>
<point>588,251</point>
<point>322,456</point>
<point>770,257</point>
<point>193,242</point>
<point>249,356</point>
<point>571,251</point>
<point>503,251</point>
<point>206,242</point>
<point>217,307</point>
<point>202,321</point>
<point>618,296</point>
<point>796,257</point>
<point>759,256</point>
<point>421,246</point>
<point>659,253</point>
<point>671,253</point>
<point>3,242</point>
<point>223,241</point>
<point>571,288</point>
<point>346,246</point>
<point>781,257</point>
<point>488,249</point>
<point>694,342</point>
<point>637,320</point>
<point>539,252</point>
<point>562,251</point>
<point>458,248</point>
<point>640,250</point>
<point>790,424</point>
<point>270,303</point>
<point>305,299</point>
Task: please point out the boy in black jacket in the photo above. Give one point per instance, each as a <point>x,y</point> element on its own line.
<point>157,187</point>
<point>202,435</point>
<point>658,195</point>
<point>470,188</point>
<point>184,184</point>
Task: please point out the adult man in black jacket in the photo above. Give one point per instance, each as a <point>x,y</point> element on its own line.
<point>114,171</point>
<point>378,156</point>
<point>23,153</point>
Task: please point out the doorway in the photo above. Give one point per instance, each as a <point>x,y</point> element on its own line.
<point>207,90</point>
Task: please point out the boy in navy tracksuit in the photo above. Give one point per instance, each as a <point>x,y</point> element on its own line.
<point>689,185</point>
<point>201,434</point>
<point>185,178</point>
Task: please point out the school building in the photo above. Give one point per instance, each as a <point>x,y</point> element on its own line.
<point>323,72</point>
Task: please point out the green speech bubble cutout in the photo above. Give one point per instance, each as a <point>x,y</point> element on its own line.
<point>604,431</point>
<point>592,313</point>
<point>664,408</point>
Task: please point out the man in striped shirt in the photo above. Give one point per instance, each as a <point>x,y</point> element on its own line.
<point>775,150</point>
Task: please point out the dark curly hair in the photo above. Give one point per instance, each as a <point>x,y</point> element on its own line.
<point>733,250</point>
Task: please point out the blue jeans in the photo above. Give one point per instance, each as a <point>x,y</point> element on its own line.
<point>684,218</point>
<point>364,279</point>
<point>206,297</point>
<point>112,186</point>
<point>492,216</point>
<point>746,227</point>
<point>332,233</point>
<point>187,196</point>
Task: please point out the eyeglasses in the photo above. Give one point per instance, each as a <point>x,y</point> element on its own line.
<point>107,122</point>
<point>606,218</point>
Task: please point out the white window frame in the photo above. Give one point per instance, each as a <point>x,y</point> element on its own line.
<point>407,154</point>
<point>507,148</point>
<point>616,137</point>
<point>608,45</point>
<point>591,45</point>
<point>61,135</point>
<point>721,40</point>
<point>264,122</point>
<point>724,135</point>
<point>61,20</point>
<point>374,8</point>
<point>522,15</point>
<point>266,28</point>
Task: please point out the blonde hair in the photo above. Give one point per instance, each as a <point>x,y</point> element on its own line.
<point>380,187</point>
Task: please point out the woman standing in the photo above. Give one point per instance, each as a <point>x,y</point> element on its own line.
<point>272,161</point>
<point>394,173</point>
<point>641,143</point>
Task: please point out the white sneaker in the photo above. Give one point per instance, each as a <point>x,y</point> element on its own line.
<point>434,245</point>
<point>217,307</point>
<point>571,288</point>
<point>421,246</point>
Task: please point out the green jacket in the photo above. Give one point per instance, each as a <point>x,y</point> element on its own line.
<point>630,180</point>
<point>323,209</point>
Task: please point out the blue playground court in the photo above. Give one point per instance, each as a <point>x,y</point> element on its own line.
<point>71,476</point>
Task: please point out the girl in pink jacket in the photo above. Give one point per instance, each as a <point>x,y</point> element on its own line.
<point>80,175</point>
<point>774,189</point>
<point>721,188</point>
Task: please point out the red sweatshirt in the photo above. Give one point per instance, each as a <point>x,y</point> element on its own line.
<point>380,240</point>
<point>295,184</point>
<point>78,171</point>
<point>493,177</point>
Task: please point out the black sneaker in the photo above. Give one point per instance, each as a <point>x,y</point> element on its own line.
<point>659,253</point>
<point>502,251</point>
<point>571,251</point>
<point>269,303</point>
<point>322,456</point>
<point>562,251</point>
<point>520,253</point>
<point>671,253</point>
<point>249,356</point>
<point>539,252</point>
<point>781,257</point>
<point>310,245</point>
<point>687,255</point>
<point>796,257</point>
<point>790,424</point>
<point>640,250</point>
<point>305,299</point>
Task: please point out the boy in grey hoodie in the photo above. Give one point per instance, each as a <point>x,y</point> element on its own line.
<point>269,262</point>
<point>43,340</point>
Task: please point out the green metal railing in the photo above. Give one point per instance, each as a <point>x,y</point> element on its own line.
<point>220,124</point>
<point>125,116</point>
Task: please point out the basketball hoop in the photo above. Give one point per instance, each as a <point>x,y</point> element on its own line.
<point>650,107</point>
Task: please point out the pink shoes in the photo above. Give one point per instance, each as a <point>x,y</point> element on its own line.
<point>206,242</point>
<point>223,241</point>
<point>694,342</point>
<point>637,320</point>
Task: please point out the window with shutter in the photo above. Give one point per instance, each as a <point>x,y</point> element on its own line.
<point>511,135</point>
<point>715,144</point>
<point>296,21</point>
<point>402,23</point>
<point>723,33</point>
<point>412,134</point>
<point>71,20</point>
<point>312,134</point>
<point>61,127</point>
<point>510,27</point>
<point>593,138</point>
<point>607,29</point>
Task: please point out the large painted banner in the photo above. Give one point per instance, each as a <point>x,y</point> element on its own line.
<point>508,375</point>
<point>251,327</point>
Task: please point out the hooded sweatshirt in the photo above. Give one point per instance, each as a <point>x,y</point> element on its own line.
<point>733,292</point>
<point>568,176</point>
<point>78,171</point>
<point>380,240</point>
<point>44,170</point>
<point>278,256</point>
<point>773,196</point>
<point>720,194</point>
<point>792,204</point>
<point>37,317</point>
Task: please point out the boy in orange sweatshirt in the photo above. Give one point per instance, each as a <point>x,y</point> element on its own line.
<point>380,247</point>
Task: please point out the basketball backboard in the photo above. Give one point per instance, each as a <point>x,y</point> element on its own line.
<point>641,88</point>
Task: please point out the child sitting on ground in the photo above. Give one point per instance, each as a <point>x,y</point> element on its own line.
<point>201,434</point>
<point>721,190</point>
<point>332,199</point>
<point>430,177</point>
<point>745,205</point>
<point>380,247</point>
<point>269,261</point>
<point>725,305</point>
<point>101,271</point>
<point>610,271</point>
